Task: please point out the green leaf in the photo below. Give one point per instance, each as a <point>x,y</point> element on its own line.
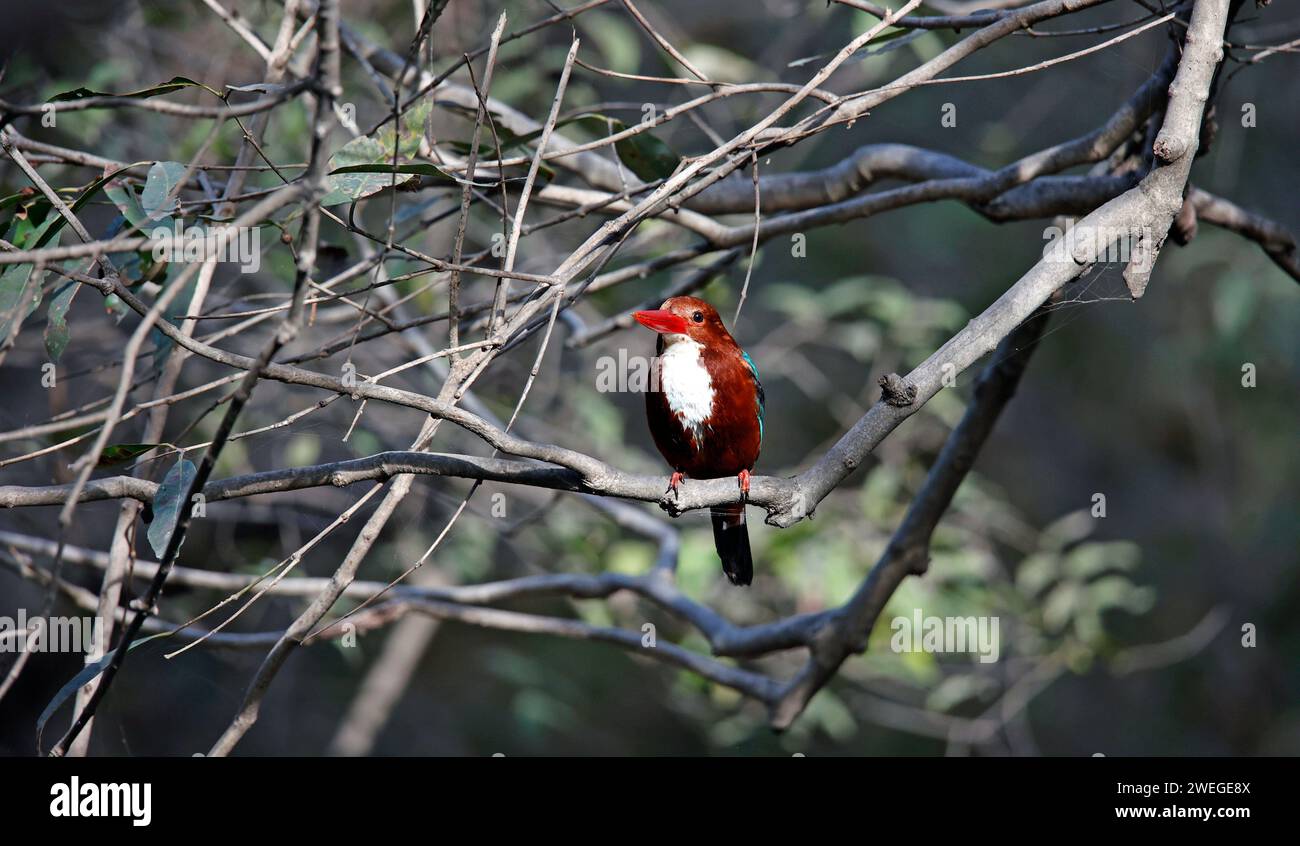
<point>1066,531</point>
<point>390,147</point>
<point>1233,305</point>
<point>955,690</point>
<point>380,167</point>
<point>20,289</point>
<point>1088,627</point>
<point>719,64</point>
<point>122,453</point>
<point>1037,572</point>
<point>1060,605</point>
<point>347,185</point>
<point>56,326</point>
<point>1119,592</point>
<point>18,286</point>
<point>176,83</point>
<point>115,307</point>
<point>508,140</point>
<point>14,199</point>
<point>1091,559</point>
<point>891,40</point>
<point>646,156</point>
<point>537,709</point>
<point>505,138</point>
<point>643,154</point>
<point>41,205</point>
<point>616,40</point>
<point>20,293</point>
<point>93,188</point>
<point>792,301</point>
<point>162,180</point>
<point>832,716</point>
<point>167,505</point>
<point>86,676</point>
<point>175,313</point>
<point>123,196</point>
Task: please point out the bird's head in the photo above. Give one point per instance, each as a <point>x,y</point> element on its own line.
<point>681,318</point>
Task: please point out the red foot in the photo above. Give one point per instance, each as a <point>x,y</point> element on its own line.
<point>673,481</point>
<point>744,482</point>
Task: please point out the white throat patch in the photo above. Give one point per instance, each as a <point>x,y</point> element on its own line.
<point>686,384</point>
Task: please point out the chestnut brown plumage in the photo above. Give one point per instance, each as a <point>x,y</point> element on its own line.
<point>705,411</point>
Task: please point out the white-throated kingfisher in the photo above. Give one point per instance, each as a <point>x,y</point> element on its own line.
<point>706,414</point>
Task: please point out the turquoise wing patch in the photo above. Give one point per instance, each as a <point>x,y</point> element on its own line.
<point>758,392</point>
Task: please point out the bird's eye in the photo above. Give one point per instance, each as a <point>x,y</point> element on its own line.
<point>698,317</point>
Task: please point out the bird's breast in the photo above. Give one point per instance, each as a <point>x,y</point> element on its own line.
<point>687,387</point>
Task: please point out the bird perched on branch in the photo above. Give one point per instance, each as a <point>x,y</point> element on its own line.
<point>706,414</point>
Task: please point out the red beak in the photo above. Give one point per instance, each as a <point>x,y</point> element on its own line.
<point>662,321</point>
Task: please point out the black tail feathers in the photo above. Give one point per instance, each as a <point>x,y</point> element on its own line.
<point>731,539</point>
